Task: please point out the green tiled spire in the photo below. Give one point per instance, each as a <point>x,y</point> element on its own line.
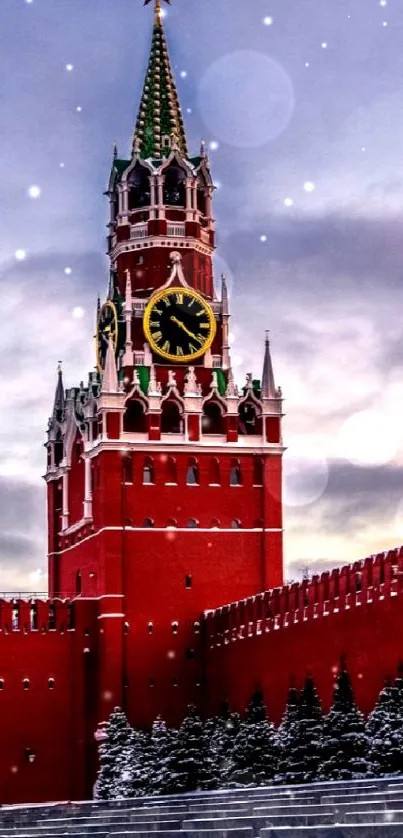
<point>159,114</point>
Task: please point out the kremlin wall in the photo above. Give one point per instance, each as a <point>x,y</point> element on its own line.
<point>164,494</point>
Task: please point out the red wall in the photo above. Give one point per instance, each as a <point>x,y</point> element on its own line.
<point>56,724</point>
<point>305,629</point>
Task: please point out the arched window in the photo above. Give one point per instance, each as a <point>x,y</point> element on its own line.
<point>174,186</point>
<point>25,683</point>
<point>215,524</point>
<point>51,683</point>
<point>192,474</point>
<point>128,469</point>
<point>78,582</point>
<point>171,420</point>
<point>139,188</point>
<point>212,419</point>
<point>148,523</point>
<point>201,199</point>
<point>258,524</point>
<point>258,472</point>
<point>172,524</point>
<point>171,472</point>
<point>235,524</point>
<point>214,472</point>
<point>249,421</point>
<point>148,472</point>
<point>192,523</point>
<point>235,478</point>
<point>135,420</point>
<point>175,626</point>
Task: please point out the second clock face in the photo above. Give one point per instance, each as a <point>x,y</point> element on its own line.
<point>179,324</point>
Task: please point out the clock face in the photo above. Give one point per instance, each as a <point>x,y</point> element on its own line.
<point>179,324</point>
<point>107,325</point>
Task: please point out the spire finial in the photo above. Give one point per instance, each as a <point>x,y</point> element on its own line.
<point>268,385</point>
<point>59,367</point>
<point>158,10</point>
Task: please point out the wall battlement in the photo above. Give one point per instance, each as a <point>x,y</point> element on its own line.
<point>342,589</point>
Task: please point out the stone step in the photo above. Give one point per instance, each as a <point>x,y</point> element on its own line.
<point>388,830</point>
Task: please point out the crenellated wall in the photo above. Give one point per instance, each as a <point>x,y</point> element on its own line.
<point>304,628</point>
<point>48,698</point>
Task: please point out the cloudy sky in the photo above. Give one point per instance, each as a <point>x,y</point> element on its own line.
<point>301,103</point>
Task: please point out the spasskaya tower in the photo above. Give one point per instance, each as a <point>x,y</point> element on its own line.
<point>163,477</point>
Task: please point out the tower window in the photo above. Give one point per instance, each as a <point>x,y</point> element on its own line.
<point>127,469</point>
<point>151,683</point>
<point>78,583</point>
<point>172,524</point>
<point>150,627</point>
<point>25,683</point>
<point>189,654</point>
<point>135,420</point>
<point>175,626</point>
<point>212,419</point>
<point>148,523</point>
<point>192,475</point>
<point>188,582</point>
<point>235,478</point>
<point>51,683</point>
<point>192,523</point>
<point>214,472</point>
<point>171,420</point>
<point>1,683</point>
<point>171,472</point>
<point>175,682</point>
<point>196,627</point>
<point>215,524</point>
<point>148,473</point>
<point>235,524</point>
<point>258,472</point>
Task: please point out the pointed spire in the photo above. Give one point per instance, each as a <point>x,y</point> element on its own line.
<point>110,383</point>
<point>268,385</point>
<point>59,402</point>
<point>160,114</point>
<point>224,294</point>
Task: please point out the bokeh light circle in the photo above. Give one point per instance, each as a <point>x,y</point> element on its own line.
<point>369,437</point>
<point>306,475</point>
<point>246,98</point>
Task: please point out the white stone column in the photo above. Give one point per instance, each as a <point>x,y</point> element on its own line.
<point>66,511</point>
<point>87,488</point>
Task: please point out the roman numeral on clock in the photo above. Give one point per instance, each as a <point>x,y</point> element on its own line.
<point>156,336</point>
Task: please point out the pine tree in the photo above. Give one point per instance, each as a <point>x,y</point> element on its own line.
<point>117,732</point>
<point>163,778</point>
<point>254,757</point>
<point>220,732</point>
<point>384,729</point>
<point>132,766</point>
<point>191,763</point>
<point>300,734</point>
<point>344,747</point>
<point>287,731</point>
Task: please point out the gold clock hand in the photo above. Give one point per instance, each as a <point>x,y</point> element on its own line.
<point>183,327</point>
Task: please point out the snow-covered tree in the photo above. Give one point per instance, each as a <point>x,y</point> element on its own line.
<point>385,730</point>
<point>254,757</point>
<point>163,778</point>
<point>344,747</point>
<point>132,766</point>
<point>220,732</point>
<point>300,733</point>
<point>117,732</point>
<point>191,763</point>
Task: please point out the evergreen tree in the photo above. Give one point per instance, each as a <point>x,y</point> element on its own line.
<point>163,778</point>
<point>132,766</point>
<point>344,747</point>
<point>191,763</point>
<point>117,732</point>
<point>220,732</point>
<point>300,734</point>
<point>385,731</point>
<point>254,757</point>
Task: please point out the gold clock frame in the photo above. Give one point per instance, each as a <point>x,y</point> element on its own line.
<point>107,304</point>
<point>165,292</point>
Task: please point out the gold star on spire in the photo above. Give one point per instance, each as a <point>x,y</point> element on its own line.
<point>158,9</point>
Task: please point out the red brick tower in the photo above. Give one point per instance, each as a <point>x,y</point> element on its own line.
<point>164,480</point>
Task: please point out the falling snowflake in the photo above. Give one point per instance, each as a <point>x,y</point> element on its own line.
<point>20,255</point>
<point>34,192</point>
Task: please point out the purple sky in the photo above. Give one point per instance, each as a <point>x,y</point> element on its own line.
<point>302,105</point>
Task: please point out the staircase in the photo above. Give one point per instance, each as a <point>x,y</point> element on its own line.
<point>354,809</point>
